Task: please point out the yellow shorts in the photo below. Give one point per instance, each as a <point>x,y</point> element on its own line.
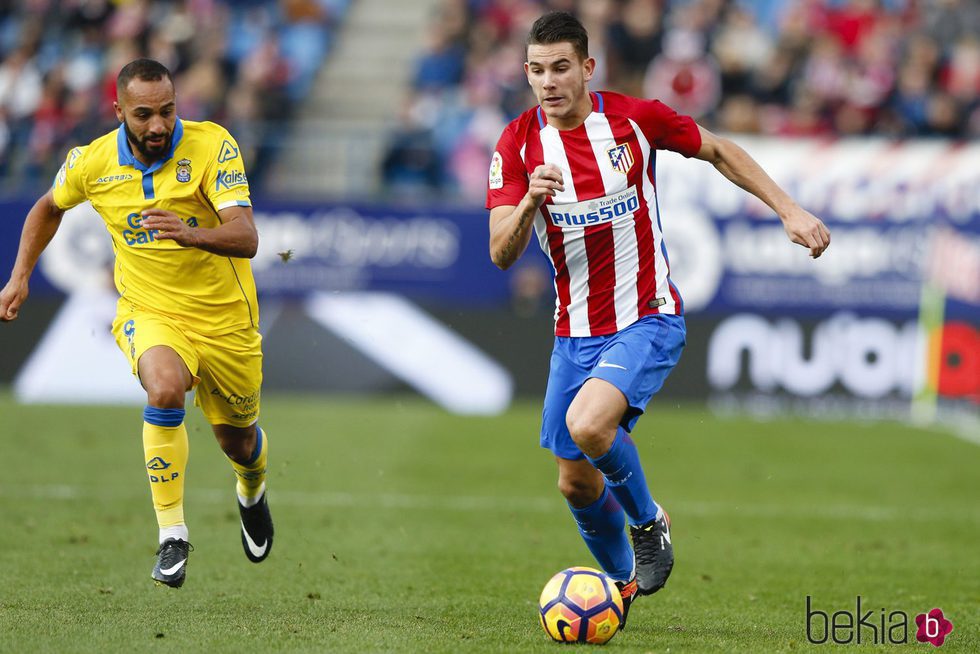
<point>227,369</point>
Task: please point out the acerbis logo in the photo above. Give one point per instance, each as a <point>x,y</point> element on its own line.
<point>108,179</point>
<point>251,475</point>
<point>157,463</point>
<point>230,178</point>
<point>865,627</point>
<point>228,152</point>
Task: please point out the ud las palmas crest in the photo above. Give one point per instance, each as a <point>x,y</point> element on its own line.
<point>184,170</point>
<point>621,157</point>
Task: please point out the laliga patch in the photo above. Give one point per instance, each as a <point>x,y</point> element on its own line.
<point>496,171</point>
<point>621,157</point>
<point>184,170</point>
<point>658,302</point>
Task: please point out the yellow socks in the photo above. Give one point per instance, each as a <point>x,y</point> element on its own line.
<point>251,474</point>
<point>165,448</point>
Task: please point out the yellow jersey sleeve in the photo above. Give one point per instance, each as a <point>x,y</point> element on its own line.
<point>69,184</point>
<point>224,179</point>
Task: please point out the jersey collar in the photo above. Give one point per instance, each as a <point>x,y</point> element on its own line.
<point>598,106</point>
<point>598,103</point>
<point>126,157</point>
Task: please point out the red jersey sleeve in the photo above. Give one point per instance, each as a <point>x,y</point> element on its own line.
<point>508,182</point>
<point>665,128</point>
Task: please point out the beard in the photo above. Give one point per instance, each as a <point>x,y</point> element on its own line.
<point>148,151</point>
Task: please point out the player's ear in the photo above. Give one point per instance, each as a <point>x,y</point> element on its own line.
<point>120,116</point>
<point>527,72</point>
<point>589,66</point>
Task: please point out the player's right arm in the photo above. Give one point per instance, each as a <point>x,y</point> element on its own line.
<point>42,222</point>
<point>510,226</point>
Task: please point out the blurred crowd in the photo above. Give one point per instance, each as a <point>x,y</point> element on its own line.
<point>242,63</point>
<point>824,68</point>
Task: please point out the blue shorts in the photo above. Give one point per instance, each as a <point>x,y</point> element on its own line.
<point>635,360</point>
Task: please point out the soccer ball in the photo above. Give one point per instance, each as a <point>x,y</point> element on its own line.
<point>581,605</point>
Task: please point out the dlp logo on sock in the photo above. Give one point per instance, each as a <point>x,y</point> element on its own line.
<point>887,627</point>
<point>158,465</point>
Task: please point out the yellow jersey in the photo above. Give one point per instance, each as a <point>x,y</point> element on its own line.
<point>202,174</point>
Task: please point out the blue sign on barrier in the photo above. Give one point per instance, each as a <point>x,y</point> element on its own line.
<point>432,252</point>
<point>429,253</point>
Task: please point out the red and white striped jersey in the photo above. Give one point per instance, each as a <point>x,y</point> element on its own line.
<point>602,233</point>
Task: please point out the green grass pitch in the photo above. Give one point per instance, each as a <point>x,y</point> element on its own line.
<point>403,529</point>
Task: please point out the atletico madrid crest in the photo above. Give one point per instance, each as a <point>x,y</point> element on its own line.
<point>621,157</point>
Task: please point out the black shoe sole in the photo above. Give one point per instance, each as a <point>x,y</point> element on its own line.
<point>177,583</point>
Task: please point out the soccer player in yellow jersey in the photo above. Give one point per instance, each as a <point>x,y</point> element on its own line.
<point>175,201</point>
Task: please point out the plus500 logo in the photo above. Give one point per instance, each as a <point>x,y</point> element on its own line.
<point>136,235</point>
<point>596,211</point>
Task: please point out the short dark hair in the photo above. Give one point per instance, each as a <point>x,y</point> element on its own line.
<point>148,70</point>
<point>559,27</point>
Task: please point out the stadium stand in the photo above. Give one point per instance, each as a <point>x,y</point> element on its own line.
<point>826,68</point>
<point>245,64</point>
<point>423,123</point>
<point>339,134</point>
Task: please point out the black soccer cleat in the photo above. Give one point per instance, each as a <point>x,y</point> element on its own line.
<point>654,554</point>
<point>171,565</point>
<point>257,530</point>
<point>628,591</point>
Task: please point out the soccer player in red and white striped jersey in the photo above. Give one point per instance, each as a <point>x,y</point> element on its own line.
<point>579,169</point>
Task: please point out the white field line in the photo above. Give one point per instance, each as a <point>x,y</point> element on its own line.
<point>488,503</point>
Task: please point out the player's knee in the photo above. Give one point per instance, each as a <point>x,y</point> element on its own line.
<point>236,450</point>
<point>579,491</point>
<point>165,396</point>
<point>238,445</point>
<point>585,430</point>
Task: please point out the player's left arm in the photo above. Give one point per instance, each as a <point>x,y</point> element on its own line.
<point>733,162</point>
<point>236,236</point>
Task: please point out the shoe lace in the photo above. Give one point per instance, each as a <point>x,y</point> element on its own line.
<point>646,543</point>
<point>171,545</point>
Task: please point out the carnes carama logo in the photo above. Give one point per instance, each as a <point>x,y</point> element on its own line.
<point>136,235</point>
